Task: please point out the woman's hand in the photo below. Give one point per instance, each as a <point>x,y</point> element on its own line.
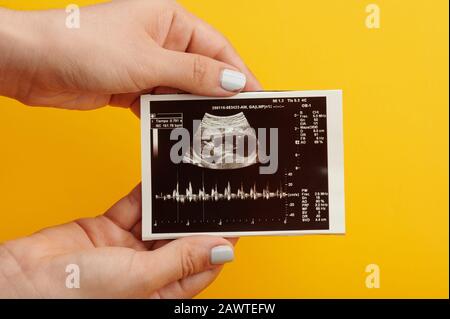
<point>113,262</point>
<point>121,50</point>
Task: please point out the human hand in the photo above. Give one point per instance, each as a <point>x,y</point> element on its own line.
<point>121,50</point>
<point>112,260</point>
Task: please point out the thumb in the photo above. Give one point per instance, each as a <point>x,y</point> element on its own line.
<point>183,258</point>
<point>198,74</point>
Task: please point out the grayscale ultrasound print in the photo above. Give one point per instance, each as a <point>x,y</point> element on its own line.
<point>248,165</point>
<point>216,128</point>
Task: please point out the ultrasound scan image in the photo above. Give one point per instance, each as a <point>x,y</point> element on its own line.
<point>217,128</point>
<point>237,165</point>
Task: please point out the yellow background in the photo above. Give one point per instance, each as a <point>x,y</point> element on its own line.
<point>58,165</point>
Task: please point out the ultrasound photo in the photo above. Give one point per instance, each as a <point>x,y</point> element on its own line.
<point>262,163</point>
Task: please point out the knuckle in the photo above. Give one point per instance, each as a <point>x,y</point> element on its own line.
<point>187,261</point>
<point>199,69</point>
<point>26,99</point>
<point>134,197</point>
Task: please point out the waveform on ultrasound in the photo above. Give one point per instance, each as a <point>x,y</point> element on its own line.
<point>227,195</point>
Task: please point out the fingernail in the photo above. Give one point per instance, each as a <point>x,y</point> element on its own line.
<point>232,80</point>
<point>221,255</point>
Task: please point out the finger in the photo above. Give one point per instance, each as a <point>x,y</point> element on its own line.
<point>161,243</point>
<point>198,74</point>
<point>131,99</point>
<point>127,211</point>
<point>166,90</point>
<point>125,99</point>
<point>150,245</point>
<point>233,240</point>
<point>191,286</point>
<point>206,40</point>
<point>135,102</point>
<point>191,34</point>
<point>181,258</point>
<point>136,231</point>
<point>180,31</point>
<point>229,55</point>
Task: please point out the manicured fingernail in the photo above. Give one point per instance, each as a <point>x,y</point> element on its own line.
<point>221,254</point>
<point>232,80</point>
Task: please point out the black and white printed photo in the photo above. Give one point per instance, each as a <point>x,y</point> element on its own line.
<point>243,165</point>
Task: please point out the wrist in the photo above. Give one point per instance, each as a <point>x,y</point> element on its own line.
<point>20,52</point>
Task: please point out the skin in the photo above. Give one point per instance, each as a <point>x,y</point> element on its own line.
<point>122,50</point>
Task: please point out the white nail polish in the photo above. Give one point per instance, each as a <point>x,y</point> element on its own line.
<point>232,80</point>
<point>221,254</point>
